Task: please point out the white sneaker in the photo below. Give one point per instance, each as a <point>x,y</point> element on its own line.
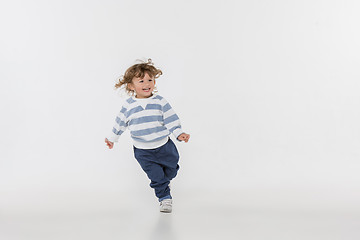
<point>166,206</point>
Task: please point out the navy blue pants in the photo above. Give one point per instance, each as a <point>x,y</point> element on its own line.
<point>160,165</point>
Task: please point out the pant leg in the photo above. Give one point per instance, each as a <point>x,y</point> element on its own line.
<point>168,156</point>
<point>155,172</point>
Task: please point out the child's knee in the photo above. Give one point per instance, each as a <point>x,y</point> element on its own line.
<point>171,172</point>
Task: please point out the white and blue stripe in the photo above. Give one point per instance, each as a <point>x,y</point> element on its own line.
<point>149,120</point>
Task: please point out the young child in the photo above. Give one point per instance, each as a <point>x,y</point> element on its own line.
<point>150,120</point>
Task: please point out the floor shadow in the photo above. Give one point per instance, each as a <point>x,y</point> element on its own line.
<point>163,228</point>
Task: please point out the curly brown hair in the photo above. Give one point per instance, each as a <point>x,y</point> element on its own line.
<point>138,71</point>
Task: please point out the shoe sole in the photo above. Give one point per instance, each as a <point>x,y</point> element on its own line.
<point>166,211</point>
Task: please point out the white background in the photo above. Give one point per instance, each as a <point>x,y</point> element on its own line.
<point>268,90</point>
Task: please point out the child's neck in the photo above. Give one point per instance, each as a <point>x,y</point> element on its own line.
<point>144,97</point>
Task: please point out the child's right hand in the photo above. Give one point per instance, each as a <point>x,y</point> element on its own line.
<point>109,144</point>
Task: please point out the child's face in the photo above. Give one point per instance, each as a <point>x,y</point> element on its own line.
<point>143,87</point>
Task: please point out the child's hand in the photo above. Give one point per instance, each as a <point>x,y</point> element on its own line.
<point>184,137</point>
<point>109,144</point>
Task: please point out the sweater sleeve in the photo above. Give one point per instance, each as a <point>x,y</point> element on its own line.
<point>171,119</point>
<point>119,126</point>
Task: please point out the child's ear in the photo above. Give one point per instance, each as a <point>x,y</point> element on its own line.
<point>131,86</point>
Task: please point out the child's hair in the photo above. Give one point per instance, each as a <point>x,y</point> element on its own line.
<point>138,70</point>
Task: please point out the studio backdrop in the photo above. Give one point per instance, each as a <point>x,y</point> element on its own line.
<point>268,90</point>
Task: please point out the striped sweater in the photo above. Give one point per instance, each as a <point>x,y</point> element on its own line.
<point>150,121</point>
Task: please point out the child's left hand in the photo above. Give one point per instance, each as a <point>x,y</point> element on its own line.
<point>183,137</point>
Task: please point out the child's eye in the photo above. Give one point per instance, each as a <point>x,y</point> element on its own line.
<point>141,81</point>
<point>150,80</point>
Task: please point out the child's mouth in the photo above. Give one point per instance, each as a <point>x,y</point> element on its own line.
<point>146,89</point>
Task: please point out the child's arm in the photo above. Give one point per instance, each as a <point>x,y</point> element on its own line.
<point>119,127</point>
<point>172,122</point>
